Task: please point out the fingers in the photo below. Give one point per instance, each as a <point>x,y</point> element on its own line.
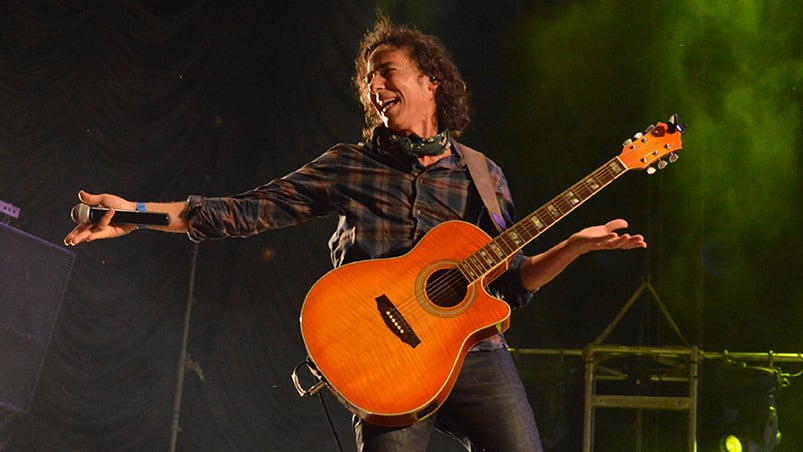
<point>106,218</point>
<point>626,242</point>
<point>623,241</point>
<point>89,232</point>
<point>101,229</point>
<point>609,239</point>
<point>89,198</point>
<point>82,231</point>
<point>77,235</point>
<point>615,225</point>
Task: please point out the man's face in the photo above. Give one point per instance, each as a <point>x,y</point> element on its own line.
<point>403,96</point>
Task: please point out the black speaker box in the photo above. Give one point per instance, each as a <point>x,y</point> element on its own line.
<point>33,278</point>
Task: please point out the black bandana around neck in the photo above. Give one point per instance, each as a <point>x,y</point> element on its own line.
<point>413,145</point>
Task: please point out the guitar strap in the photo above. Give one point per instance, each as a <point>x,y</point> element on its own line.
<point>478,168</point>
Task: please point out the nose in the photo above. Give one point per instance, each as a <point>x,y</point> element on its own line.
<point>375,83</point>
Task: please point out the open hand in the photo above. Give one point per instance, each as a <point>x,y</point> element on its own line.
<point>605,237</point>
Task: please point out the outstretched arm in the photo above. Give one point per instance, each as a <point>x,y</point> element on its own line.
<point>106,228</point>
<point>542,268</point>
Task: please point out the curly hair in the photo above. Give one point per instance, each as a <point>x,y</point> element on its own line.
<point>432,58</point>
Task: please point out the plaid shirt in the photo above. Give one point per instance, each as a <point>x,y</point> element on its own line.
<point>385,205</point>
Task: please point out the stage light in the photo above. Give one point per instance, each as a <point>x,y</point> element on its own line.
<point>731,444</point>
<point>743,409</point>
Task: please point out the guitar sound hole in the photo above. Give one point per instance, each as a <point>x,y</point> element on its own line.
<point>446,288</point>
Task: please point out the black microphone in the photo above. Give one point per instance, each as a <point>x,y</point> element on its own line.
<point>84,213</point>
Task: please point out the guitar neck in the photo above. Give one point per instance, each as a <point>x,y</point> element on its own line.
<point>508,243</point>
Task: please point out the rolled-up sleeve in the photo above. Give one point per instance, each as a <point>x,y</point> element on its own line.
<point>509,287</point>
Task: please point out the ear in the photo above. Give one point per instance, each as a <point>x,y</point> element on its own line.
<point>433,82</point>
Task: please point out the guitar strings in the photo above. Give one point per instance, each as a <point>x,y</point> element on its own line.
<point>614,168</point>
<point>444,284</point>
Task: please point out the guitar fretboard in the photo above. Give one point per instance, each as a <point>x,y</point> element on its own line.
<point>509,242</point>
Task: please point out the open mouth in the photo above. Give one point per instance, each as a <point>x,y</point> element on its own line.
<point>385,104</point>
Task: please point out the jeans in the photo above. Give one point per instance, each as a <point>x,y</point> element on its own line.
<point>486,411</point>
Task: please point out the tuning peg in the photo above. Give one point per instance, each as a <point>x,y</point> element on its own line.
<point>674,126</point>
<point>627,142</point>
<point>637,136</point>
<point>651,170</point>
<point>673,157</point>
<point>662,164</point>
<point>649,128</point>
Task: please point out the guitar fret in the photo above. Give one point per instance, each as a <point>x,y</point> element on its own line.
<point>516,238</point>
<point>504,245</point>
<point>572,198</point>
<point>615,167</point>
<point>468,272</point>
<point>504,241</point>
<point>536,223</point>
<point>518,235</point>
<point>496,249</point>
<point>479,260</point>
<point>474,266</point>
<point>486,257</point>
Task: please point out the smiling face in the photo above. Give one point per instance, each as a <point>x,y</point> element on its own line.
<point>403,96</point>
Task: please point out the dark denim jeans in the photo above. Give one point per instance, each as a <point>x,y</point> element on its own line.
<point>486,411</point>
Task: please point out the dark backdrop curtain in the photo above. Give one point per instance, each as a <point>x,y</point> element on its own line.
<point>157,100</point>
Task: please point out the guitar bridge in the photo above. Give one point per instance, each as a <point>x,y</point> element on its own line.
<point>396,322</point>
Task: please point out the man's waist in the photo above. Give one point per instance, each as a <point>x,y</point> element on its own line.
<point>494,342</point>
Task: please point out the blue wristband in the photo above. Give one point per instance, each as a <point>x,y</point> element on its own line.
<point>140,208</point>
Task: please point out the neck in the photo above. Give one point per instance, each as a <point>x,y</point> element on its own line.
<point>427,128</point>
<point>427,160</point>
<point>428,131</point>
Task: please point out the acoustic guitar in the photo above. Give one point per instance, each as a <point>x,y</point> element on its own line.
<point>388,336</point>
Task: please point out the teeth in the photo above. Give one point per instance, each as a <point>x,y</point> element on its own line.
<point>383,104</point>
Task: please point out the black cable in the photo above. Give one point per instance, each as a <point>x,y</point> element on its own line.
<point>329,421</point>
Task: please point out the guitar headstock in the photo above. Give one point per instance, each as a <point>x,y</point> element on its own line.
<point>656,142</point>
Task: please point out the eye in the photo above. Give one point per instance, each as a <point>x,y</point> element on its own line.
<point>384,71</point>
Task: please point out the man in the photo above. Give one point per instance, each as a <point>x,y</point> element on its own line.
<point>406,178</point>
